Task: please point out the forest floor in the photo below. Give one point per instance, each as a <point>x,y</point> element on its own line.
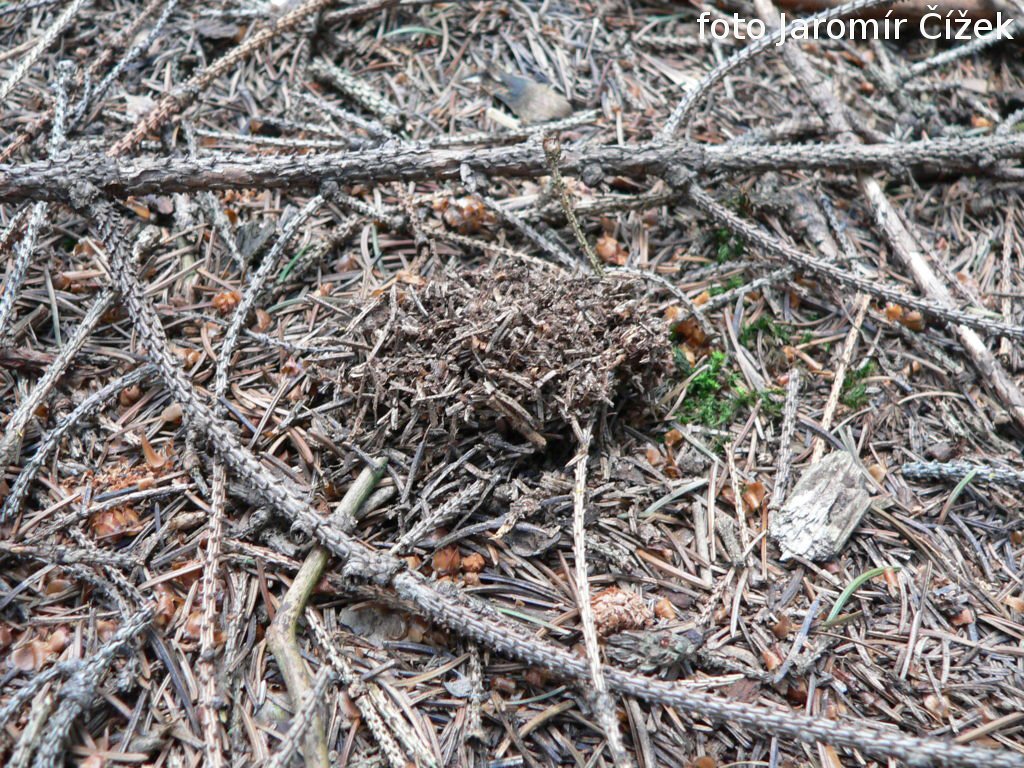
<point>355,413</point>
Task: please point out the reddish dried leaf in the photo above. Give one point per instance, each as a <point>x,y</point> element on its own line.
<point>610,251</point>
<point>226,302</point>
<point>447,561</point>
<point>153,458</point>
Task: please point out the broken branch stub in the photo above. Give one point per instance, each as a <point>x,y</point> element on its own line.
<point>823,509</point>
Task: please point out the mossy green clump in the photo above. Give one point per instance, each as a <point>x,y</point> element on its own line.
<point>766,325</point>
<point>733,282</point>
<point>728,246</point>
<point>854,394</point>
<point>714,397</point>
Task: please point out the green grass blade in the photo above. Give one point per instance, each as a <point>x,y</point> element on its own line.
<point>956,493</point>
<point>852,587</point>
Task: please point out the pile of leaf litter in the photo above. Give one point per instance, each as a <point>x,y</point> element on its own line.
<point>483,378</point>
<point>511,354</point>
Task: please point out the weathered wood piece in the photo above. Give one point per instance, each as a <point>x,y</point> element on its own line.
<point>823,509</point>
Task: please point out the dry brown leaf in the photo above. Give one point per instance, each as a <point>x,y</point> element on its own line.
<point>153,459</point>
<point>30,657</point>
<point>664,609</point>
<point>611,251</point>
<point>226,301</point>
<point>447,561</point>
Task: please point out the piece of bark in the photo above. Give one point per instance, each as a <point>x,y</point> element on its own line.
<point>823,509</point>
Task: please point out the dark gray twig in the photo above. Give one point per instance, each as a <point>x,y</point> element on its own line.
<point>757,236</point>
<point>45,180</point>
<point>955,471</point>
<point>78,692</point>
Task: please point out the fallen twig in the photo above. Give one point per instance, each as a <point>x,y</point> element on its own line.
<point>182,96</point>
<point>28,133</point>
<point>52,33</point>
<point>78,692</point>
<point>61,181</point>
<point>745,54</point>
<point>754,234</point>
<point>10,443</point>
<point>22,259</point>
<point>955,471</point>
<point>604,706</point>
<point>281,635</point>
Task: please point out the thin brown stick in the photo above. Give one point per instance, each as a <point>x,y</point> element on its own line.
<point>604,706</point>
<point>861,301</point>
<point>282,636</point>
